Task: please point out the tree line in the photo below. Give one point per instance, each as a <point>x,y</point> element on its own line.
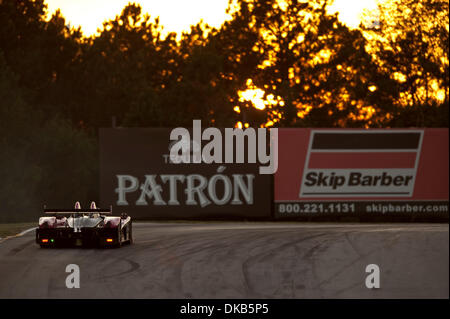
<point>57,86</point>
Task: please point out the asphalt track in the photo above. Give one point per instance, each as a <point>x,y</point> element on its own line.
<point>238,260</point>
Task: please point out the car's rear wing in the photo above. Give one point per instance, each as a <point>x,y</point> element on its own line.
<point>53,211</point>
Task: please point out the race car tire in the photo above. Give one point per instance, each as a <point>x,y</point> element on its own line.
<point>130,233</point>
<point>119,237</point>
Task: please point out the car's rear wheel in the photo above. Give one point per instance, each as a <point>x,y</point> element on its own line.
<point>119,237</point>
<point>130,233</point>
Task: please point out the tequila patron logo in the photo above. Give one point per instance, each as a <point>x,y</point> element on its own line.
<point>360,163</point>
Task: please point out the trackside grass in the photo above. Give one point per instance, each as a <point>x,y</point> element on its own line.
<point>14,228</point>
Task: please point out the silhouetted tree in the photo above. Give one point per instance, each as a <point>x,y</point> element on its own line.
<point>318,67</point>
<point>124,69</point>
<point>410,40</point>
<point>58,87</point>
<point>41,53</point>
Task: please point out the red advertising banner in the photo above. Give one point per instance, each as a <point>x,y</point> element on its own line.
<point>376,171</point>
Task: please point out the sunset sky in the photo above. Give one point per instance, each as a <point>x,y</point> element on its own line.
<point>176,15</point>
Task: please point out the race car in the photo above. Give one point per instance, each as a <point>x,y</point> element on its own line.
<point>83,227</point>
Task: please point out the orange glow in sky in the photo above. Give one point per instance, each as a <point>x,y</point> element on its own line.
<point>177,15</point>
<point>350,11</point>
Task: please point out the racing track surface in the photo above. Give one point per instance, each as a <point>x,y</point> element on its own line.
<point>238,260</point>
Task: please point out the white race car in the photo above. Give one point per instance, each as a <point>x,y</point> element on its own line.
<point>83,227</point>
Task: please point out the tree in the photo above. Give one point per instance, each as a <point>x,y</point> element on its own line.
<point>410,42</point>
<point>41,53</point>
<point>315,70</point>
<point>123,69</point>
<point>42,158</point>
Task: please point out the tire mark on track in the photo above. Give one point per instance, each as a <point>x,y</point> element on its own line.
<point>250,291</point>
<point>360,257</point>
<point>19,248</point>
<point>133,266</point>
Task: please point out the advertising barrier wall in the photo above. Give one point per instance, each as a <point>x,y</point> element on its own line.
<point>385,173</point>
<point>362,172</point>
<point>138,177</point>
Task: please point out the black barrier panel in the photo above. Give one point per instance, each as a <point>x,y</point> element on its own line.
<point>376,140</point>
<point>138,177</point>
